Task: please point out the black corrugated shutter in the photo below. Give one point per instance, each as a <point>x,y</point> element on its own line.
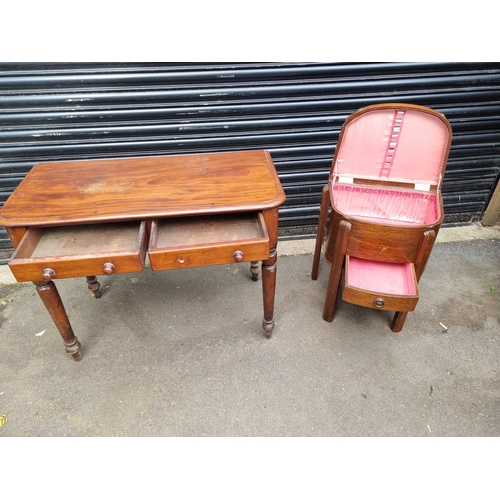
<point>65,111</point>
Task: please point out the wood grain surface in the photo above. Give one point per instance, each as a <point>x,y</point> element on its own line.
<point>141,188</point>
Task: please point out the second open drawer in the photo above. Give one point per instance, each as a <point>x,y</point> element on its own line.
<point>208,240</point>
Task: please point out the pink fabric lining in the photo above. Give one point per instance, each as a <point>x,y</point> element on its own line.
<point>380,277</point>
<point>389,206</point>
<point>421,143</point>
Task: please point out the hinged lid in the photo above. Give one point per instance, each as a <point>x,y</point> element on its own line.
<point>394,142</point>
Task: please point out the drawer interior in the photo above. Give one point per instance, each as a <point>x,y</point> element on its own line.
<point>381,277</point>
<point>88,239</point>
<point>85,250</point>
<point>207,240</point>
<point>79,240</point>
<point>207,230</point>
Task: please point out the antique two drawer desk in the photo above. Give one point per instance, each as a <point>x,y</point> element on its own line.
<point>88,218</point>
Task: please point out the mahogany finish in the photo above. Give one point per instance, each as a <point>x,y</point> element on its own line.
<point>62,193</point>
<point>86,218</point>
<point>393,167</point>
<point>73,251</point>
<point>94,286</point>
<point>207,240</point>
<point>47,291</point>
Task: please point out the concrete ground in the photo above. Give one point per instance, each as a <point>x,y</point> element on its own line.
<point>182,353</point>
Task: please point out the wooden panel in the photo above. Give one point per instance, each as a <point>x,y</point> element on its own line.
<point>16,234</point>
<point>73,251</point>
<point>208,240</point>
<point>378,241</point>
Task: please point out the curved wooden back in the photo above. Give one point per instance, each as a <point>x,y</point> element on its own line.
<point>400,143</point>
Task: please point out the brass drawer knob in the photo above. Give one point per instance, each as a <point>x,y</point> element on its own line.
<point>379,302</point>
<point>48,274</point>
<point>238,256</point>
<point>108,268</point>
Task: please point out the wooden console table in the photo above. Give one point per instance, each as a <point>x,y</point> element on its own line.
<point>86,218</point>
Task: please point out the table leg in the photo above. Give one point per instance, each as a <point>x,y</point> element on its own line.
<point>269,290</point>
<point>269,271</point>
<point>52,301</point>
<point>255,269</point>
<point>94,286</point>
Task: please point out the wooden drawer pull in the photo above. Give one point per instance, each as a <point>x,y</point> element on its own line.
<point>238,256</point>
<point>379,302</point>
<point>108,268</point>
<point>48,274</point>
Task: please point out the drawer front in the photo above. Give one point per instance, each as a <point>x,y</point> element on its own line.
<point>374,300</point>
<point>205,241</point>
<point>380,285</point>
<point>78,251</point>
<point>207,255</point>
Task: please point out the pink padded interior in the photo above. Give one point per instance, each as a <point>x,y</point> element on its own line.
<point>392,145</point>
<point>386,205</point>
<point>380,277</point>
<point>400,145</point>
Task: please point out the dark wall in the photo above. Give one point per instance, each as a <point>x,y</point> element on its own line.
<point>56,111</point>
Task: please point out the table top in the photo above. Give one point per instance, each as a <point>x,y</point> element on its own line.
<point>58,193</point>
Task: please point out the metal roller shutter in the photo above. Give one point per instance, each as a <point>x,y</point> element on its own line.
<point>65,111</point>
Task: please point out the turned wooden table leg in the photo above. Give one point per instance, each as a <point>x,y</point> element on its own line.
<point>255,269</point>
<point>269,290</point>
<point>94,286</point>
<point>269,271</point>
<point>52,301</point>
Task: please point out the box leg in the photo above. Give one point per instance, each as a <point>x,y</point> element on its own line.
<point>398,321</point>
<point>320,235</point>
<point>332,290</point>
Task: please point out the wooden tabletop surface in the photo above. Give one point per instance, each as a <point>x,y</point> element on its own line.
<point>140,188</point>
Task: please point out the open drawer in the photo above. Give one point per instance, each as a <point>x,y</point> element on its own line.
<point>207,240</point>
<point>380,285</point>
<point>86,250</point>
